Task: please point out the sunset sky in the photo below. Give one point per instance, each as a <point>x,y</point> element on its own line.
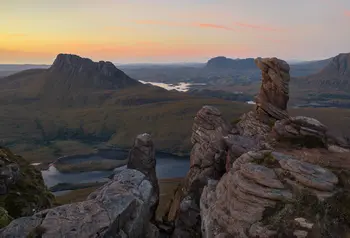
<point>153,31</point>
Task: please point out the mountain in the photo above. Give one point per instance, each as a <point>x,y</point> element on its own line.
<point>305,68</point>
<point>334,76</point>
<point>71,80</point>
<point>84,73</point>
<point>222,62</point>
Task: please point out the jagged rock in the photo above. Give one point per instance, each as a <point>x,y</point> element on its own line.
<point>207,162</point>
<point>142,158</point>
<point>274,92</point>
<point>121,208</point>
<point>22,188</point>
<point>267,194</point>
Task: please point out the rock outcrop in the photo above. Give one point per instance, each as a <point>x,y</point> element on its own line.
<point>22,188</point>
<point>273,97</point>
<point>142,158</point>
<point>207,162</point>
<point>273,194</point>
<point>124,207</point>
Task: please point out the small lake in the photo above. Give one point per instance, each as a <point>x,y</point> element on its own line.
<point>168,166</point>
<point>181,87</point>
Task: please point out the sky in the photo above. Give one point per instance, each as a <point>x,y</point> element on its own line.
<point>164,31</point>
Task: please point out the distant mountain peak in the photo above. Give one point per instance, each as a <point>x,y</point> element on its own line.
<point>70,63</point>
<point>341,63</point>
<point>222,62</point>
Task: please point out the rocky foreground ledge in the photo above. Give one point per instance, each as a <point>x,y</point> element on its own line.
<point>123,207</point>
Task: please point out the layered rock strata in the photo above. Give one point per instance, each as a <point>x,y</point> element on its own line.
<point>273,194</point>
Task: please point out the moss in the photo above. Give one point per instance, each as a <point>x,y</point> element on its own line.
<point>269,161</point>
<point>29,194</point>
<point>5,218</point>
<point>236,121</point>
<point>37,232</point>
<point>271,122</point>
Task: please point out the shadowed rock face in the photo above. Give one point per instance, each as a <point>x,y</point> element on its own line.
<point>207,162</point>
<point>123,207</point>
<point>274,92</point>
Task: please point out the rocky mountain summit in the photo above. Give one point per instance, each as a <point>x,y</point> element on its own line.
<point>268,175</point>
<point>104,74</point>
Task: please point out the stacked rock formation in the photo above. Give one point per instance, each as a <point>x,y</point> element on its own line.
<point>272,100</point>
<point>207,162</point>
<point>123,207</point>
<point>274,92</point>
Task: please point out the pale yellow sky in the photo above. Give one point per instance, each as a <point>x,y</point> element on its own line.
<point>172,31</point>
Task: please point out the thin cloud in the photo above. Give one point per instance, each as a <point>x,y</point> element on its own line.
<point>208,25</point>
<point>257,27</point>
<point>347,13</point>
<point>200,25</point>
<point>211,25</point>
